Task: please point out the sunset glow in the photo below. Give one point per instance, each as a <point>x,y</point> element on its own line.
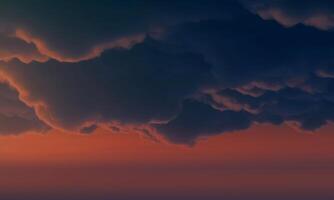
<point>166,100</point>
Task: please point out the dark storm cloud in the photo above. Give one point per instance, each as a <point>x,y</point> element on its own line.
<point>198,119</point>
<point>73,30</point>
<point>212,67</point>
<point>277,74</point>
<point>326,72</point>
<point>16,117</point>
<point>316,13</point>
<point>250,50</point>
<point>310,111</point>
<point>144,84</point>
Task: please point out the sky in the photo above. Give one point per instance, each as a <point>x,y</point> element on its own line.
<point>170,100</point>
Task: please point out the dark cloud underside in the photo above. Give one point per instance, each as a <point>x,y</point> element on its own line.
<point>16,117</point>
<point>199,68</point>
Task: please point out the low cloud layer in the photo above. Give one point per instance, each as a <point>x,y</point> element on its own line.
<point>184,71</point>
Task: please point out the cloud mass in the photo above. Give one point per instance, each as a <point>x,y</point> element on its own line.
<point>181,70</point>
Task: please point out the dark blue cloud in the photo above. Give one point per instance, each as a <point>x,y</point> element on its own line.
<point>318,13</point>
<point>199,119</point>
<point>250,49</point>
<point>15,116</point>
<point>204,68</point>
<point>71,29</point>
<point>141,85</point>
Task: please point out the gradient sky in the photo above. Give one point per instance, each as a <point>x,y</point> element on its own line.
<point>168,100</point>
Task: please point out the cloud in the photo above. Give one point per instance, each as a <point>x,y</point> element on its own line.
<point>319,14</point>
<point>16,117</point>
<point>326,72</point>
<point>17,125</point>
<point>144,84</point>
<point>185,71</point>
<point>198,119</point>
<point>310,111</point>
<point>276,74</point>
<point>251,51</point>
<point>89,129</point>
<point>12,47</point>
<point>76,30</point>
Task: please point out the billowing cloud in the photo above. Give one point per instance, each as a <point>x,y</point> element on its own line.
<point>12,47</point>
<point>199,119</point>
<point>184,71</point>
<point>319,13</point>
<point>141,85</point>
<point>79,30</point>
<point>251,51</point>
<point>16,117</point>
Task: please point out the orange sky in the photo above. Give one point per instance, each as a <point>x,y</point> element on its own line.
<point>261,142</point>
<point>263,159</point>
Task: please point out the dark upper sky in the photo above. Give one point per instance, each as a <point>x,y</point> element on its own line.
<point>182,69</point>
